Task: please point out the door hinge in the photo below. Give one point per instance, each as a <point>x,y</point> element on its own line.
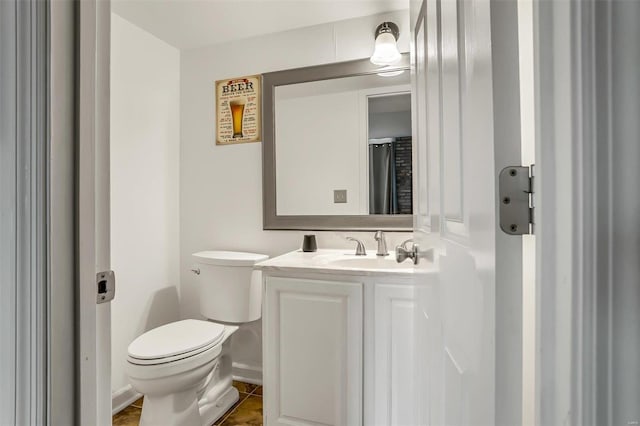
<point>105,286</point>
<point>516,199</point>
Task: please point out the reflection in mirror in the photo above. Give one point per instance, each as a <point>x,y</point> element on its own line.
<point>317,125</point>
<point>389,139</point>
<point>344,146</point>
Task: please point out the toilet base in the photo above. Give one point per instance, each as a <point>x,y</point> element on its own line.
<point>218,393</point>
<point>211,412</point>
<point>176,409</point>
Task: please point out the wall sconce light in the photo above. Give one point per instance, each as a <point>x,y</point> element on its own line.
<point>386,50</point>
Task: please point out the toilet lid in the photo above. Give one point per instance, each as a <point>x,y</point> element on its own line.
<point>176,338</point>
<point>229,258</point>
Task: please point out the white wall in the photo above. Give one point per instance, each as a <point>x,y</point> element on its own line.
<point>145,137</point>
<point>221,186</point>
<point>390,124</point>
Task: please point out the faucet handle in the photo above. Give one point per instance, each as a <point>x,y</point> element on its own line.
<point>405,242</point>
<point>360,250</point>
<point>402,254</point>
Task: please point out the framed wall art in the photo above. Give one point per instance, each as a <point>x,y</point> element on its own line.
<point>238,110</point>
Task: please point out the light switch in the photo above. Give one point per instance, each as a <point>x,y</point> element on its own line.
<point>339,196</point>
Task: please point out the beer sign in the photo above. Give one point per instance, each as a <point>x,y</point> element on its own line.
<point>238,110</point>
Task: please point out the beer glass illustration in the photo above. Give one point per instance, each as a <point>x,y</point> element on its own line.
<point>237,112</point>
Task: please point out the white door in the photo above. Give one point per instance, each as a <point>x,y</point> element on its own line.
<point>94,357</point>
<point>467,127</point>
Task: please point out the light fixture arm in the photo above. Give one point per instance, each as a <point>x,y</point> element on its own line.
<point>387,27</point>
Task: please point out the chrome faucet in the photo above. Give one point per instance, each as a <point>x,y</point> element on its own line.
<point>382,244</point>
<point>360,251</point>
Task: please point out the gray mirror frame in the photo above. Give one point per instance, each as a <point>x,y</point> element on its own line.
<point>271,219</point>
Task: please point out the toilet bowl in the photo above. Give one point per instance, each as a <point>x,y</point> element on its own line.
<point>184,368</point>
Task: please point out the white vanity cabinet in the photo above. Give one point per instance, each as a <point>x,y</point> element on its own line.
<point>389,360</point>
<point>338,346</point>
<point>313,352</point>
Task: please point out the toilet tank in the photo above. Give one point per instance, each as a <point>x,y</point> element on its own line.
<point>229,289</point>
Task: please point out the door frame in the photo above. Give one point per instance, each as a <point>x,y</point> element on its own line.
<point>572,64</point>
<point>24,213</point>
<point>63,344</point>
<point>93,212</point>
<point>79,334</point>
<point>509,249</point>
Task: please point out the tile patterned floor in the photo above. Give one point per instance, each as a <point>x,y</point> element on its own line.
<point>247,411</point>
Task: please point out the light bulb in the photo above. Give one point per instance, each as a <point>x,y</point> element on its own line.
<point>386,50</point>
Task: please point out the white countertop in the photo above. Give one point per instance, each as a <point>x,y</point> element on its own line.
<point>341,262</point>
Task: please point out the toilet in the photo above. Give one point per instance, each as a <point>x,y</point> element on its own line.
<point>183,368</point>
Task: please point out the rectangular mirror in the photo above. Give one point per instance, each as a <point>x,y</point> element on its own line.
<point>337,147</point>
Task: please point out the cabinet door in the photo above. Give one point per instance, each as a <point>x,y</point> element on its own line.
<point>312,352</point>
<point>394,375</point>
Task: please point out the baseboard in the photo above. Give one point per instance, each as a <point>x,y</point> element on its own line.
<point>122,398</point>
<point>247,373</point>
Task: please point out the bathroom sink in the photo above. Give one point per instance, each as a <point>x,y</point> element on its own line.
<point>370,262</point>
<point>340,262</point>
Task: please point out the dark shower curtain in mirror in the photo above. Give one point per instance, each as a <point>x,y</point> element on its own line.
<point>383,197</point>
<point>390,176</point>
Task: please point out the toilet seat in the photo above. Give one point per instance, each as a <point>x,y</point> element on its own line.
<point>175,341</point>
